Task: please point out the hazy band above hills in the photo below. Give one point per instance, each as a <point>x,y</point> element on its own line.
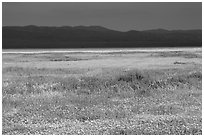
<point>95,37</point>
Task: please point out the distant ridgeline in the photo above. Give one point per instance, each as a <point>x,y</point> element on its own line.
<point>95,37</point>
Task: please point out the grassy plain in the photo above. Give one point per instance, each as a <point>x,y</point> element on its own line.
<point>102,93</point>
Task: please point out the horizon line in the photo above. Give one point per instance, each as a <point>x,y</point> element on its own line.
<point>99,26</point>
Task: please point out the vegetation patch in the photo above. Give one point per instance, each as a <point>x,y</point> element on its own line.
<point>147,102</point>
<point>178,54</point>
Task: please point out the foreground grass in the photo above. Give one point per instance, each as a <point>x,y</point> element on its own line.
<point>131,102</point>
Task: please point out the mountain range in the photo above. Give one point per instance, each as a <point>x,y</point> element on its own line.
<point>95,37</point>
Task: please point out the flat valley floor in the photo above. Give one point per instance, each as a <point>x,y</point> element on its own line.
<point>111,93</point>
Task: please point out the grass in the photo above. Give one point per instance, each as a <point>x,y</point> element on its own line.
<point>164,101</point>
<point>179,54</point>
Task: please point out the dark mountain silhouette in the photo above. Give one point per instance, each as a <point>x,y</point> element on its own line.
<point>95,37</point>
<point>158,31</point>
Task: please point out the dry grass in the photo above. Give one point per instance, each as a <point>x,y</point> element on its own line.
<point>179,54</point>
<point>111,94</point>
<point>165,101</point>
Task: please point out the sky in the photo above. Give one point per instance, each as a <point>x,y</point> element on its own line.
<point>122,16</point>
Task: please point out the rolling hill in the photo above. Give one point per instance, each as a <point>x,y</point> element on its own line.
<point>95,37</point>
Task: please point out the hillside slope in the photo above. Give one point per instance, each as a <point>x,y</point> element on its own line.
<point>95,37</point>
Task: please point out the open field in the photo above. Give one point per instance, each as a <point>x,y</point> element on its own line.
<point>117,93</point>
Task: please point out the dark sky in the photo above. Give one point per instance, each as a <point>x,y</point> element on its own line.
<point>119,16</point>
